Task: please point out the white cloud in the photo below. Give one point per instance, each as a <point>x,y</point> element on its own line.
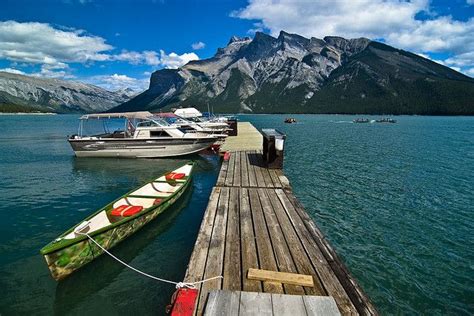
<point>54,48</point>
<point>40,43</point>
<point>469,72</point>
<point>470,2</point>
<point>393,21</point>
<point>118,81</point>
<point>13,71</point>
<point>132,57</point>
<point>173,60</point>
<point>151,58</point>
<point>198,45</point>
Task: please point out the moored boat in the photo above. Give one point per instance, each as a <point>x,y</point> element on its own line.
<point>137,135</point>
<point>114,222</point>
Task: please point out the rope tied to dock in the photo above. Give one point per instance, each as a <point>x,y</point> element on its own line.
<point>178,285</point>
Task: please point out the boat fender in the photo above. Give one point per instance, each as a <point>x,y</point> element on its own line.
<point>183,302</point>
<point>226,156</point>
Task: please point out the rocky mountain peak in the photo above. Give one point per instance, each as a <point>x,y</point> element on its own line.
<point>234,39</point>
<point>295,74</point>
<point>55,95</point>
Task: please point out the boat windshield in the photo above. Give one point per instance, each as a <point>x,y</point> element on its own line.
<point>153,122</point>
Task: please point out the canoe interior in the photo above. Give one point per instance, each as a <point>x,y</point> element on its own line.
<point>70,250</point>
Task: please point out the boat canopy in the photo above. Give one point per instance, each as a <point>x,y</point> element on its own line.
<point>188,112</point>
<point>127,115</point>
<point>166,114</point>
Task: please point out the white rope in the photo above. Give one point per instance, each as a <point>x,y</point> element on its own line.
<point>178,285</point>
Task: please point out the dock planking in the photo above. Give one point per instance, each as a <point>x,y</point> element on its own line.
<point>253,220</point>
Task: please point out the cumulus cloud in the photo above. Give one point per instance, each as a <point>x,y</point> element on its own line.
<point>173,60</point>
<point>13,71</point>
<point>40,43</point>
<point>119,81</point>
<point>198,45</point>
<point>54,48</point>
<point>393,21</point>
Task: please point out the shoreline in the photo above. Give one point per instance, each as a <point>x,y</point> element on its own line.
<point>26,113</point>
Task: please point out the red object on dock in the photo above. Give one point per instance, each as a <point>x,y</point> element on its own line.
<point>227,156</point>
<point>184,302</point>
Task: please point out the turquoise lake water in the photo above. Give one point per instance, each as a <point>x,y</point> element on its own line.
<point>395,200</point>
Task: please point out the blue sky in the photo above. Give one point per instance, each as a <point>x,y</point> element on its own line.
<point>116,44</point>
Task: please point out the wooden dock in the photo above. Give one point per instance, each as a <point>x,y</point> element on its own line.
<point>249,138</point>
<point>253,220</point>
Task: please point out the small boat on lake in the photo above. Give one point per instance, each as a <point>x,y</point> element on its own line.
<point>290,120</point>
<point>115,222</point>
<point>136,135</point>
<point>385,120</point>
<point>361,120</point>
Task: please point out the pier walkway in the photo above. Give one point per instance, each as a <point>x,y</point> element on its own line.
<point>253,221</point>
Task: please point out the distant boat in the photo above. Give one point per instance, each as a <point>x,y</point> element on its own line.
<point>290,120</point>
<point>361,120</point>
<point>115,222</point>
<point>386,120</point>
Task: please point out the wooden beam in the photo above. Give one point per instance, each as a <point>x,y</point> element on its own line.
<point>281,277</point>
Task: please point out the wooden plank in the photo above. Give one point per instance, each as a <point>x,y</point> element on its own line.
<point>320,305</point>
<point>264,244</point>
<point>221,303</point>
<point>214,264</point>
<point>222,173</point>
<point>274,177</point>
<point>258,170</point>
<point>285,183</point>
<point>280,277</point>
<point>197,262</point>
<point>280,248</point>
<point>248,247</point>
<point>325,273</point>
<point>232,271</point>
<point>266,176</point>
<point>248,138</point>
<point>288,305</point>
<point>244,168</point>
<point>251,170</point>
<point>255,304</point>
<point>237,171</point>
<point>297,251</point>
<point>229,179</point>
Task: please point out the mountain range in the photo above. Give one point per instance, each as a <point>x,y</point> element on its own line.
<point>294,74</point>
<point>19,93</point>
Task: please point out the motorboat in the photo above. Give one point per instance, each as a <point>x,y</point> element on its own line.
<point>385,120</point>
<point>115,222</point>
<point>136,135</point>
<point>194,115</point>
<point>193,126</point>
<point>290,120</point>
<point>361,120</point>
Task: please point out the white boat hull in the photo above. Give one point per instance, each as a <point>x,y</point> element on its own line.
<point>149,148</point>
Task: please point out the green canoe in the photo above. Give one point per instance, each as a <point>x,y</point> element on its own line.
<point>114,222</point>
